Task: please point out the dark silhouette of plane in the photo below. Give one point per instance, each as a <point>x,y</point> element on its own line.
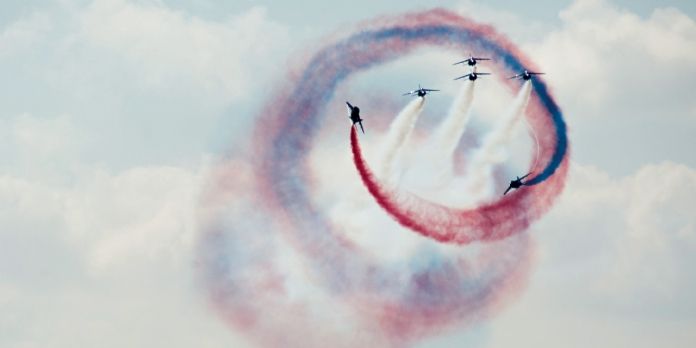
<point>526,75</point>
<point>421,92</point>
<point>355,116</point>
<point>472,75</point>
<point>471,61</point>
<point>515,184</point>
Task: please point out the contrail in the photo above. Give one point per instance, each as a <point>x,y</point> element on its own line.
<point>399,132</point>
<point>494,148</point>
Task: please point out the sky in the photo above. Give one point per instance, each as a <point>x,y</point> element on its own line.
<point>113,113</point>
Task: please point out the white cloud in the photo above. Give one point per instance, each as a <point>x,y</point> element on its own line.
<point>600,49</point>
<point>107,255</point>
<point>519,28</point>
<point>108,218</point>
<point>96,247</point>
<point>140,77</point>
<point>164,48</point>
<point>623,81</point>
<point>615,260</point>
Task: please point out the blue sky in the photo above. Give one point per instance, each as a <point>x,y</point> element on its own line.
<point>113,112</point>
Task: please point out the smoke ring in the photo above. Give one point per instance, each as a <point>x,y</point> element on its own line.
<point>235,267</point>
<point>292,119</point>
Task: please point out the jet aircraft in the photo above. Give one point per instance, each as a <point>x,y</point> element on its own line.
<point>355,116</point>
<point>471,61</point>
<point>515,184</point>
<point>472,75</point>
<point>526,75</point>
<point>421,92</point>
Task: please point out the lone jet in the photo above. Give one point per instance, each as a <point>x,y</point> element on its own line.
<point>515,184</point>
<point>421,92</point>
<point>471,61</point>
<point>526,75</point>
<point>355,116</point>
<point>472,75</point>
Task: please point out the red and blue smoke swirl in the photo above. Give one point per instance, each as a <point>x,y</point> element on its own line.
<point>259,208</point>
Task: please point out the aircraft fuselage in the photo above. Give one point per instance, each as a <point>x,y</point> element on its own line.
<point>355,114</point>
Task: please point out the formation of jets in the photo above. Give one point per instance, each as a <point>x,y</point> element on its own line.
<point>472,76</point>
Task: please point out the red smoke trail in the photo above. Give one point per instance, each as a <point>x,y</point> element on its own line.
<point>510,215</point>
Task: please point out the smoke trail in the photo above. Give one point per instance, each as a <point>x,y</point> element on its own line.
<point>494,148</point>
<point>447,135</point>
<point>247,282</point>
<point>399,132</point>
<point>258,289</point>
<point>489,222</point>
<point>439,150</point>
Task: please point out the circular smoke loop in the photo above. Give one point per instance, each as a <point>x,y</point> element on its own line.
<point>279,269</point>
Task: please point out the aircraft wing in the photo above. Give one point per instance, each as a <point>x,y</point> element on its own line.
<point>463,76</point>
<point>409,93</point>
<point>482,58</point>
<point>482,73</point>
<point>350,107</point>
<point>361,126</point>
<point>431,90</point>
<point>463,61</point>
<point>526,175</point>
<point>506,191</point>
<point>514,77</point>
<point>535,73</point>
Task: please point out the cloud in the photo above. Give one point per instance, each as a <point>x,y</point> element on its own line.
<point>144,212</point>
<point>163,48</point>
<point>623,81</point>
<point>107,111</point>
<point>151,81</point>
<point>608,46</point>
<point>106,255</point>
<point>615,258</point>
<point>643,223</point>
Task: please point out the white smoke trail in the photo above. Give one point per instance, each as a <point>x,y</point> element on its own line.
<point>447,135</point>
<point>494,149</point>
<point>438,152</point>
<point>399,132</point>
